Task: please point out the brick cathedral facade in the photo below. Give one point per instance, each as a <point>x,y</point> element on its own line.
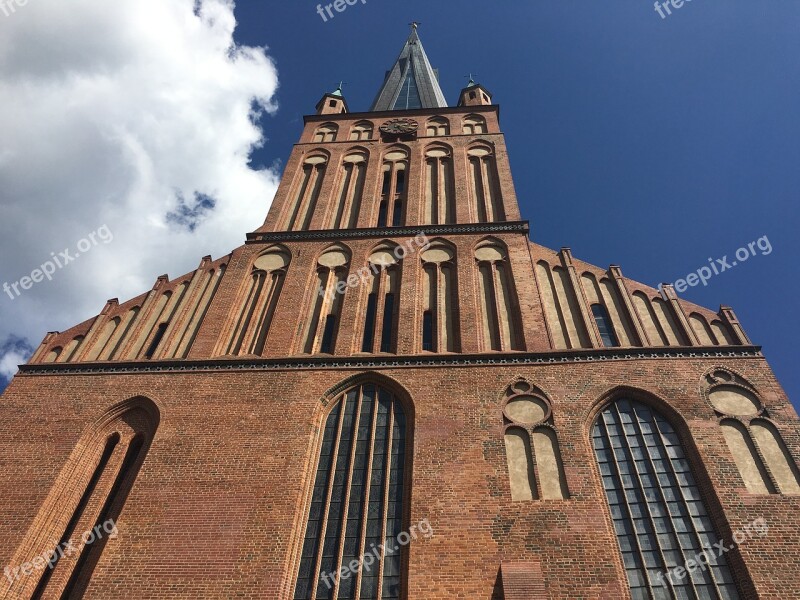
<point>390,367</point>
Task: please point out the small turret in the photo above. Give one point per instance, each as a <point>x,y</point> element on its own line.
<point>474,95</point>
<point>333,103</point>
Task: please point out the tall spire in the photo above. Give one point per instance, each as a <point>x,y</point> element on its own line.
<point>412,82</point>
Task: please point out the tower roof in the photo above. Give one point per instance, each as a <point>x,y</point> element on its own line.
<point>412,82</point>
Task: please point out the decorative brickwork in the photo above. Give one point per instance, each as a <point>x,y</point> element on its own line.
<point>393,258</point>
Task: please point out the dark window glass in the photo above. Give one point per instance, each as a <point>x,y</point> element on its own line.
<point>382,210</point>
<point>318,500</point>
<point>327,336</point>
<point>90,553</point>
<point>604,325</point>
<point>409,93</point>
<point>427,331</point>
<point>387,182</point>
<point>397,215</point>
<point>369,325</point>
<point>162,328</point>
<point>361,460</point>
<point>655,504</point>
<point>388,322</point>
<point>401,181</point>
<point>111,443</point>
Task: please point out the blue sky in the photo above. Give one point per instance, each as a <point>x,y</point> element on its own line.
<point>651,143</point>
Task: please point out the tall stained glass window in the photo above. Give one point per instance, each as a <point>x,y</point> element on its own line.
<point>357,501</point>
<point>660,519</point>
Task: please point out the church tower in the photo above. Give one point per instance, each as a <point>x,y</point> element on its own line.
<point>389,392</point>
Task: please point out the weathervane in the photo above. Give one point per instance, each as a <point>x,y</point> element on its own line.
<point>414,25</point>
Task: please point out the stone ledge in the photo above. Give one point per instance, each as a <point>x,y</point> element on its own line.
<point>387,362</point>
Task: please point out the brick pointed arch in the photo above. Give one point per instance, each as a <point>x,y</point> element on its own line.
<point>358,491</point>
<point>90,492</point>
<point>663,509</point>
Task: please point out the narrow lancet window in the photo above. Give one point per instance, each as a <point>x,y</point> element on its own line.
<point>326,305</point>
<point>487,203</point>
<point>604,326</point>
<point>357,500</point>
<point>380,323</point>
<point>257,307</point>
<point>307,194</point>
<point>440,331</point>
<point>391,208</point>
<point>351,190</point>
<point>439,187</point>
<point>88,497</point>
<point>501,323</point>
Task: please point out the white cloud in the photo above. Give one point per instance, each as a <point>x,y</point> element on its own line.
<point>121,114</point>
<point>12,352</point>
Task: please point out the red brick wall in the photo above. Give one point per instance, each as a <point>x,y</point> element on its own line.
<point>376,148</point>
<point>289,324</point>
<point>215,511</point>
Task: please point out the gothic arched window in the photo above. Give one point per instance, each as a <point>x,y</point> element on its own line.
<point>611,316</point>
<point>660,519</point>
<point>474,124</point>
<point>351,189</point>
<point>254,318</point>
<point>533,456</point>
<point>498,300</point>
<point>437,126</point>
<point>440,299</point>
<point>393,189</point>
<point>758,449</point>
<point>487,203</point>
<point>326,133</point>
<point>440,196</point>
<point>323,322</point>
<point>88,496</point>
<point>307,192</point>
<point>382,302</point>
<point>357,500</point>
<point>361,131</point>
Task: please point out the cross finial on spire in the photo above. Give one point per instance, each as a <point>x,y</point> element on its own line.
<point>471,80</point>
<point>414,25</point>
<point>338,90</point>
